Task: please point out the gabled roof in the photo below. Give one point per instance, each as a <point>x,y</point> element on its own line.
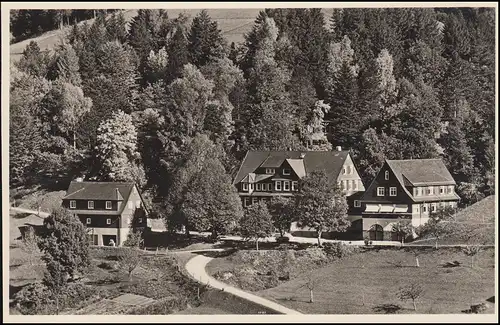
<point>297,166</point>
<point>112,191</point>
<point>329,161</point>
<point>421,172</point>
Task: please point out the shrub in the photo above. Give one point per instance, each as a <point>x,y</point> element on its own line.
<point>283,239</point>
<point>337,250</point>
<point>32,299</point>
<point>107,266</point>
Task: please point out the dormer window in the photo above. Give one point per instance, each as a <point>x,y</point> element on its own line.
<point>386,175</point>
<point>380,191</point>
<point>257,187</point>
<point>108,205</point>
<point>270,171</point>
<point>286,171</point>
<point>90,205</point>
<point>277,186</point>
<point>72,204</point>
<point>357,203</point>
<point>245,186</point>
<point>286,185</point>
<point>295,186</point>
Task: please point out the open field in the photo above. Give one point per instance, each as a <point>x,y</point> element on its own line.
<point>367,283</point>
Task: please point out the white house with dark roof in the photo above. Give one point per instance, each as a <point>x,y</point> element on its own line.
<point>265,174</point>
<point>410,189</point>
<point>108,209</point>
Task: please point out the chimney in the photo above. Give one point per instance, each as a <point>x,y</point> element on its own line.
<point>302,155</point>
<point>339,148</point>
<point>79,179</point>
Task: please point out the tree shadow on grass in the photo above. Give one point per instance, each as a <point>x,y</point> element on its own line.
<point>387,308</point>
<point>491,299</point>
<point>451,264</point>
<point>21,215</point>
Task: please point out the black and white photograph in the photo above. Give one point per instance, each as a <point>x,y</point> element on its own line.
<point>250,159</point>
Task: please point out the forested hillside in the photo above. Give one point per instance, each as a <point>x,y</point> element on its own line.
<point>173,106</point>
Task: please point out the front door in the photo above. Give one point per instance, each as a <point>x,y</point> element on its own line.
<point>376,232</point>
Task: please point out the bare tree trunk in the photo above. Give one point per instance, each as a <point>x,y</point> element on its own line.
<point>57,304</point>
<point>472,261</point>
<point>74,140</point>
<point>416,260</point>
<point>414,305</point>
<point>436,243</point>
<point>311,296</point>
<point>257,243</point>
<point>319,237</point>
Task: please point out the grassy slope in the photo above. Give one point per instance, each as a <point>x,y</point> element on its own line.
<point>477,217</point>
<point>342,284</point>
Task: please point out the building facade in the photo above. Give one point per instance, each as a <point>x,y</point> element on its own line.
<point>408,189</point>
<point>266,174</point>
<point>109,210</point>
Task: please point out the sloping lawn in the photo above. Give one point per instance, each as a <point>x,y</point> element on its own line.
<point>367,283</point>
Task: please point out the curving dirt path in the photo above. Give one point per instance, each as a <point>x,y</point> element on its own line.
<point>196,268</point>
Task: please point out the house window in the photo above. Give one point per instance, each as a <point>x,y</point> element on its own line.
<point>245,202</point>
<point>428,190</point>
<point>343,170</point>
<point>380,191</point>
<point>245,186</point>
<point>357,203</point>
<point>270,186</point>
<point>392,191</point>
<point>251,186</point>
<point>72,204</point>
<point>108,205</point>
<point>130,204</point>
<point>450,189</point>
<point>286,185</point>
<point>89,221</point>
<point>90,204</point>
<point>386,175</point>
<point>277,186</point>
<point>416,208</point>
<point>254,200</point>
<point>419,192</point>
<point>433,207</point>
<point>286,171</point>
<point>270,171</point>
<point>295,185</point>
<point>441,190</point>
<point>108,221</point>
<point>257,187</point>
<point>424,208</point>
<point>348,187</point>
<point>354,184</point>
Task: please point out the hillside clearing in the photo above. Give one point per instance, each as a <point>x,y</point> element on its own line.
<point>367,283</point>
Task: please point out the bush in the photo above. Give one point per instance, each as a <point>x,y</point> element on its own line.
<point>337,250</point>
<point>37,299</point>
<point>107,266</point>
<point>32,299</point>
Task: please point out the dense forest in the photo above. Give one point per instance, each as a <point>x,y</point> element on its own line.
<point>173,107</point>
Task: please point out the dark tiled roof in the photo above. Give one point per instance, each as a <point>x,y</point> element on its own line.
<point>99,191</point>
<point>420,172</point>
<point>329,161</point>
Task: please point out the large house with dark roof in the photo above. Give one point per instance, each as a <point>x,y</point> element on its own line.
<point>265,174</point>
<point>411,189</point>
<point>108,209</point>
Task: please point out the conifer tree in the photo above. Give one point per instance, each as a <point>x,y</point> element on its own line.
<point>205,40</point>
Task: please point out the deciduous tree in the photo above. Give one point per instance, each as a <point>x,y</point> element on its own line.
<point>321,205</point>
<point>257,223</point>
